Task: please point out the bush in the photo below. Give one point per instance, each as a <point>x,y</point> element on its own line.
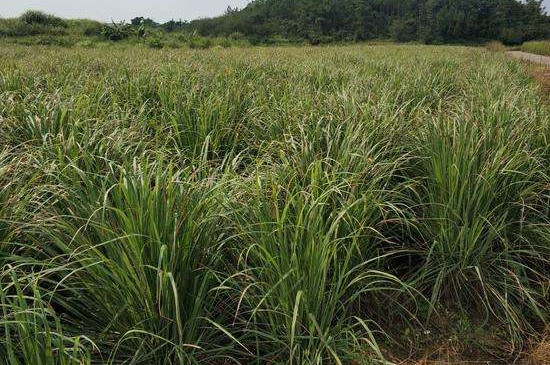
<point>155,43</point>
<point>116,32</point>
<point>85,27</point>
<point>237,36</point>
<point>197,42</point>
<point>18,28</point>
<point>313,39</point>
<point>38,17</point>
<point>15,28</point>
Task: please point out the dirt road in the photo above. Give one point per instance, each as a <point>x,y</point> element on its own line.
<point>529,57</point>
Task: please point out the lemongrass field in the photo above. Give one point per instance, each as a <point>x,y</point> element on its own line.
<point>293,205</point>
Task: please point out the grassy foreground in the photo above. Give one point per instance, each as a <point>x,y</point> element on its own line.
<point>329,205</point>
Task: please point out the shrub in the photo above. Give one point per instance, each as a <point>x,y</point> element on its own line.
<point>18,28</point>
<point>15,28</point>
<point>237,36</point>
<point>198,42</point>
<point>85,27</point>
<point>116,31</point>
<point>38,17</point>
<point>155,43</point>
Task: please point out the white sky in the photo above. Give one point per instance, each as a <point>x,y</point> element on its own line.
<point>106,10</point>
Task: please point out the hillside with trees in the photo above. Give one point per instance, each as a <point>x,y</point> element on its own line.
<point>428,21</point>
<point>313,21</point>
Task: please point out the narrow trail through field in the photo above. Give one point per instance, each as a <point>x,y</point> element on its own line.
<point>530,57</point>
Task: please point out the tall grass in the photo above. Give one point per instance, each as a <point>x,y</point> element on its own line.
<point>141,243</point>
<point>267,205</point>
<point>537,47</point>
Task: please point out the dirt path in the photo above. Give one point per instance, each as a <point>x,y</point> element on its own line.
<point>530,57</point>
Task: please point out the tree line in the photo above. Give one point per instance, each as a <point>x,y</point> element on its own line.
<point>323,21</point>
<point>429,21</point>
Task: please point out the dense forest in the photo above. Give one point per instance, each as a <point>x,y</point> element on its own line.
<point>429,21</point>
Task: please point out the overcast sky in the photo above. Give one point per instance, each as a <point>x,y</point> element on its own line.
<point>105,10</point>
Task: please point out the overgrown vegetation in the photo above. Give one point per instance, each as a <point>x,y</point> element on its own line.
<point>329,205</point>
<point>537,47</point>
<point>37,28</point>
<point>279,22</point>
<point>33,23</point>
